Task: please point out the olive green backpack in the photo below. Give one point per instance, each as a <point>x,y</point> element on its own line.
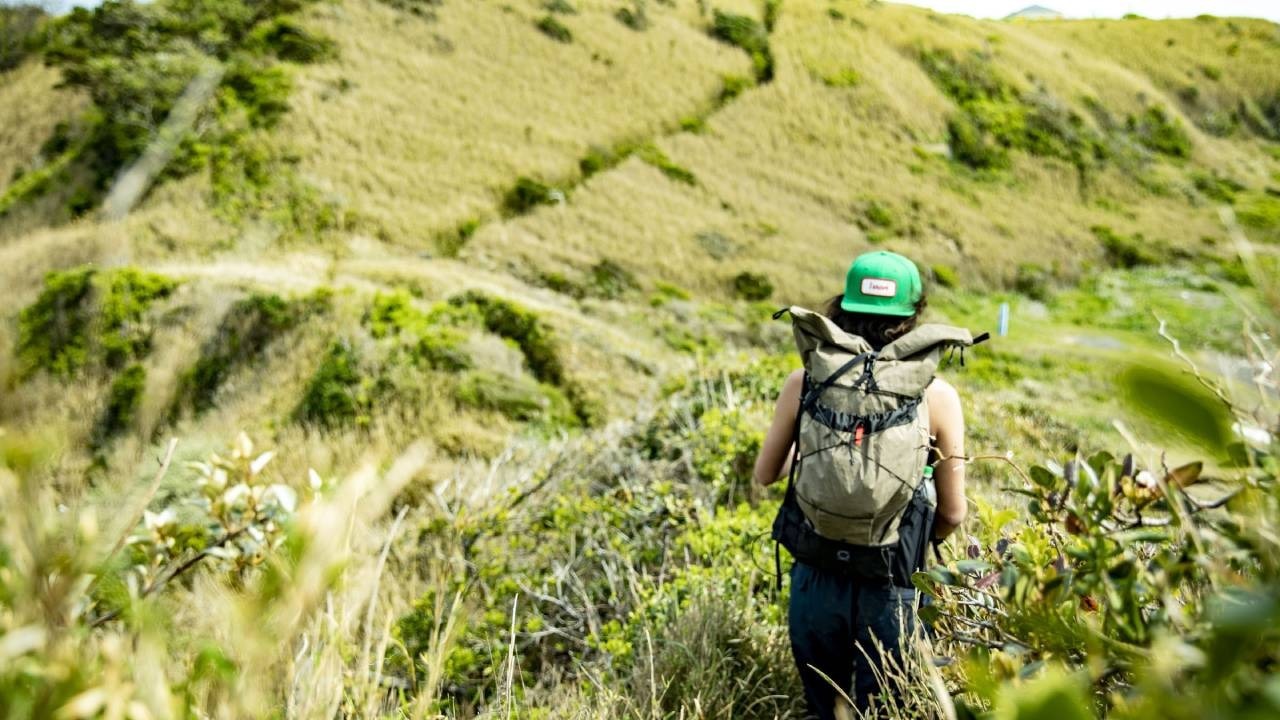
<point>857,500</point>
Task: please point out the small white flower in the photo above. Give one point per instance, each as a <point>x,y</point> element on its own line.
<point>261,461</point>
<point>284,496</point>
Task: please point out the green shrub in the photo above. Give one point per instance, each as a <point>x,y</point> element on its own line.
<point>134,60</point>
<point>945,276</point>
<point>846,78</point>
<point>879,214</point>
<point>746,33</point>
<point>286,38</point>
<point>451,244</point>
<point>635,17</point>
<point>551,27</point>
<point>1125,251</point>
<point>562,7</point>
<point>655,157</point>
<point>123,399</point>
<point>339,393</point>
<point>428,341</point>
<point>1216,187</point>
<point>1033,280</point>
<point>752,286</point>
<point>1160,132</point>
<point>523,327</point>
<point>126,297</point>
<point>54,331</point>
<point>610,280</point>
<point>19,33</point>
<point>425,9</point>
<point>520,399</point>
<point>1213,72</point>
<point>84,316</point>
<point>731,86</point>
<point>526,195</point>
<point>693,124</point>
<point>242,337</point>
<point>1260,211</point>
<point>974,147</point>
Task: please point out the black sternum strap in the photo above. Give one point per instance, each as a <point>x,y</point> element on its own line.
<point>870,424</point>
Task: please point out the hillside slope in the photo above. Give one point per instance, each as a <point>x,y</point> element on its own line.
<point>629,177</point>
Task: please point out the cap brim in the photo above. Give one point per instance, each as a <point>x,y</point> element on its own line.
<point>871,309</point>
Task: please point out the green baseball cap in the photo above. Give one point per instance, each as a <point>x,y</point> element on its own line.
<point>882,283</point>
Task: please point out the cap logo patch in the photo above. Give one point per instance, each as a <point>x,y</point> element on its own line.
<point>879,287</point>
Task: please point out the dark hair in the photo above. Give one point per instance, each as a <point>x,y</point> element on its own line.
<point>877,330</point>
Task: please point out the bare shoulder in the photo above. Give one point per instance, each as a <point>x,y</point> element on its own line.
<point>942,393</point>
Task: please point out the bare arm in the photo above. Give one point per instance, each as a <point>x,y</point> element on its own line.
<point>775,453</point>
<point>946,423</point>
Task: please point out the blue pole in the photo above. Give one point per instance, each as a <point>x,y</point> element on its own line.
<point>1004,320</point>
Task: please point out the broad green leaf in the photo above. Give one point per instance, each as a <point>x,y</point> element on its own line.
<point>1167,398</point>
<point>1053,696</point>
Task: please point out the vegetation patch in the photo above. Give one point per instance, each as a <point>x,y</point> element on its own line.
<point>523,327</point>
<point>123,400</point>
<point>528,194</point>
<point>243,335</point>
<point>85,317</point>
<point>428,338</point>
<point>519,398</point>
<point>134,61</point>
<point>1260,212</point>
<point>426,9</point>
<point>750,35</point>
<point>634,16</point>
<point>1127,251</point>
<point>551,27</point>
<point>20,27</point>
<point>996,118</point>
<point>340,391</point>
<point>752,286</point>
<point>1159,131</point>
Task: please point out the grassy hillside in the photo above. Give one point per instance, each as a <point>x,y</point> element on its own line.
<point>492,280</point>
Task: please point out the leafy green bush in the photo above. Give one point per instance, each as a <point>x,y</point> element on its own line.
<point>526,195</point>
<point>430,342</point>
<point>1125,251</point>
<point>611,280</point>
<point>655,157</point>
<point>746,33</point>
<point>1033,280</point>
<point>879,214</point>
<point>731,86</point>
<point>123,399</point>
<point>243,335</point>
<point>1260,211</point>
<point>635,17</point>
<point>19,31</point>
<point>551,27</point>
<point>1160,132</point>
<point>518,398</point>
<point>339,392</point>
<point>563,7</point>
<point>945,276</point>
<point>53,332</point>
<point>84,316</point>
<point>134,60</point>
<point>523,327</point>
<point>1216,187</point>
<point>995,117</point>
<point>752,286</point>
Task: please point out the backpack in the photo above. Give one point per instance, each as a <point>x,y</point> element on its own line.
<point>857,500</point>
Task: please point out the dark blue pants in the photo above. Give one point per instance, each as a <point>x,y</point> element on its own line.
<point>832,620</point>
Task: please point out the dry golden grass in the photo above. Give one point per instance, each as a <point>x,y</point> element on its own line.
<point>441,117</point>
<point>30,107</point>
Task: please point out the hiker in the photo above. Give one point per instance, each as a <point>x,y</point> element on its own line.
<point>858,433</point>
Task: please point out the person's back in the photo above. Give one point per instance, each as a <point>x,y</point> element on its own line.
<point>845,622</point>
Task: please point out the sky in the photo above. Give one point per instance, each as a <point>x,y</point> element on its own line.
<point>1269,9</point>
